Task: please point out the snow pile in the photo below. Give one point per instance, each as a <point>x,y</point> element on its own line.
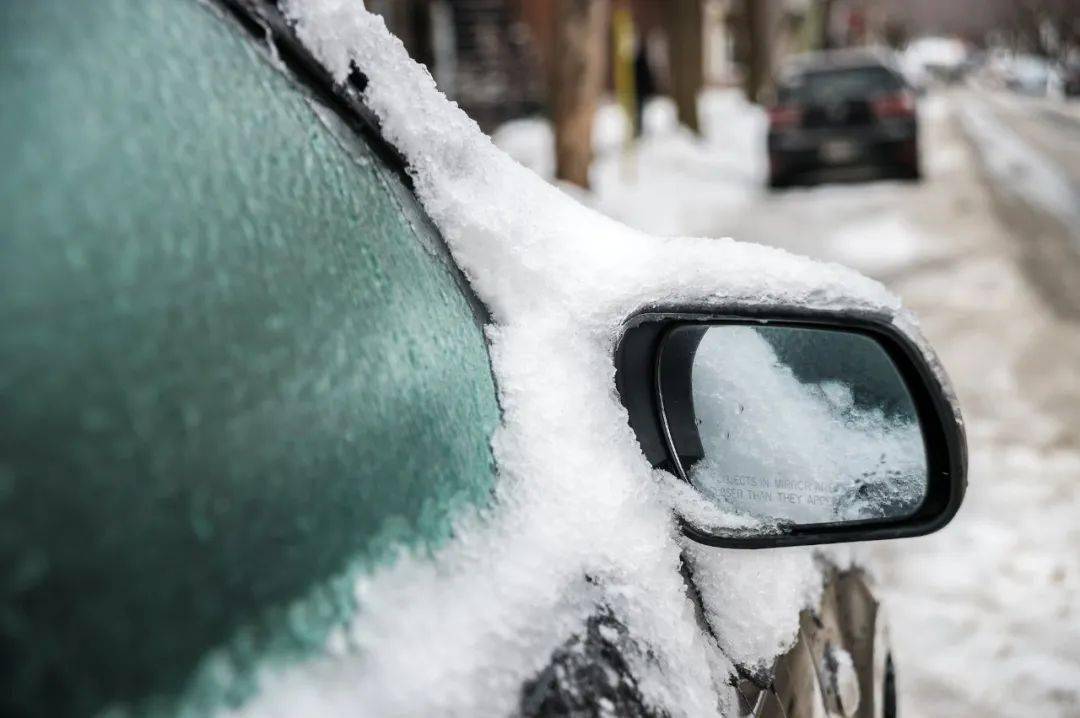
<point>752,599</point>
<point>580,518</point>
<point>882,244</point>
<point>674,182</point>
<point>669,181</point>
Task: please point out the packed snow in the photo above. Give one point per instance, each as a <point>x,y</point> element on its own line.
<point>580,519</point>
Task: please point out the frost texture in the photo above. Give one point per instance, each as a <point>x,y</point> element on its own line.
<point>782,448</point>
<point>460,633</point>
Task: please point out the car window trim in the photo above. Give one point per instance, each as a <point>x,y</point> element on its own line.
<point>265,24</point>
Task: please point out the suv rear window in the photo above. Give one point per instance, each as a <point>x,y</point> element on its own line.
<point>850,83</point>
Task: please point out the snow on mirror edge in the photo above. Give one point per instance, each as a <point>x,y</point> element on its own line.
<point>835,444</point>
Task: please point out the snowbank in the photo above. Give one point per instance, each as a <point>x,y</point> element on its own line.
<point>580,518</point>
<point>670,182</point>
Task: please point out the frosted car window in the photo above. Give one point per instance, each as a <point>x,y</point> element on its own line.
<point>235,360</point>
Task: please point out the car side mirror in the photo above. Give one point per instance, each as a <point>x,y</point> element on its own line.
<point>793,428</point>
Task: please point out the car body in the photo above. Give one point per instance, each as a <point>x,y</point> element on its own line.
<point>942,59</point>
<point>1029,75</point>
<point>841,109</point>
<point>261,416</point>
<point>1069,73</point>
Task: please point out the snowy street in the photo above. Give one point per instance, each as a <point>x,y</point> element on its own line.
<point>985,615</point>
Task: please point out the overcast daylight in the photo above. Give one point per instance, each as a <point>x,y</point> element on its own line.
<point>578,358</point>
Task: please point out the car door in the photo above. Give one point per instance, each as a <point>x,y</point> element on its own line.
<point>237,364</point>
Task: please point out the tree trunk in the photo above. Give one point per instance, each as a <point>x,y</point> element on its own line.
<point>759,48</point>
<point>577,79</point>
<point>685,43</point>
<point>827,41</point>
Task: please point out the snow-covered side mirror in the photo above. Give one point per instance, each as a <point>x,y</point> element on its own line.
<point>793,427</point>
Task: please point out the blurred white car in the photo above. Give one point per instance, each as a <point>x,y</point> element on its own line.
<point>934,58</point>
<point>1030,75</point>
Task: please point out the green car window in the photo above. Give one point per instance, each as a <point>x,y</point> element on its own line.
<point>237,365</point>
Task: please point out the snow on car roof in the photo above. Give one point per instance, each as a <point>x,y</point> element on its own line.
<point>580,518</point>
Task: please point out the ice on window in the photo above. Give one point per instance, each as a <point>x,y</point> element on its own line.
<point>804,449</point>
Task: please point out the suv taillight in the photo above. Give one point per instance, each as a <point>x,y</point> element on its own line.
<point>899,104</point>
<point>782,117</point>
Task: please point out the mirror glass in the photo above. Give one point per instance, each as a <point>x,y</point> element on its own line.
<point>794,424</point>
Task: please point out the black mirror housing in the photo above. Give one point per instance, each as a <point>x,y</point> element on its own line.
<point>667,435</point>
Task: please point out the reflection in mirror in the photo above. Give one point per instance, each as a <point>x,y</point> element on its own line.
<point>795,424</point>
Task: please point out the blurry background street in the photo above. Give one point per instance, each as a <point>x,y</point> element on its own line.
<point>656,114</point>
<point>986,614</point>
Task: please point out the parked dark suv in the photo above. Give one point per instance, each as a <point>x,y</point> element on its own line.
<point>842,109</point>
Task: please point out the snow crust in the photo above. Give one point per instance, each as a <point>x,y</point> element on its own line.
<point>580,518</point>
